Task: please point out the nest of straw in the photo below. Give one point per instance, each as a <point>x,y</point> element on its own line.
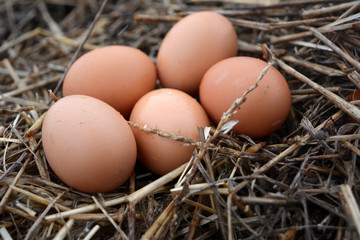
<point>301,182</point>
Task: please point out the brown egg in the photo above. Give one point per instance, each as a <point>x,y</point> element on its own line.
<point>117,75</point>
<point>172,111</point>
<point>88,144</point>
<point>265,108</point>
<point>191,47</point>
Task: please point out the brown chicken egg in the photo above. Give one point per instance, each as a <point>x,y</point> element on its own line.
<point>117,75</point>
<point>88,144</point>
<point>191,47</point>
<point>265,108</point>
<point>172,111</point>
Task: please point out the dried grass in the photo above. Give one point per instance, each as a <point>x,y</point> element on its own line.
<point>301,182</point>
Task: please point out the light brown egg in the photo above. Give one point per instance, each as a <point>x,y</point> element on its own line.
<point>266,107</point>
<point>117,75</point>
<point>88,144</point>
<point>172,111</point>
<point>191,47</point>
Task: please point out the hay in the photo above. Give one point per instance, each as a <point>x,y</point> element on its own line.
<point>301,182</point>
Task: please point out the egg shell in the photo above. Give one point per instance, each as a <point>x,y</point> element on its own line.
<point>265,108</point>
<point>191,47</point>
<point>172,111</point>
<point>117,75</point>
<point>88,144</point>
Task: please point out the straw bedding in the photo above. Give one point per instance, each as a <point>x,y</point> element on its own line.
<point>301,182</point>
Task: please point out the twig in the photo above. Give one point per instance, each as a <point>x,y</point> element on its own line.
<point>351,147</point>
<point>338,101</point>
<point>316,134</point>
<point>194,221</point>
<point>134,197</point>
<point>151,231</point>
<point>285,153</point>
<point>39,199</point>
<point>92,232</point>
<point>5,234</point>
<point>34,128</point>
<point>54,27</point>
<point>294,36</point>
<point>267,201</point>
<point>86,36</point>
<point>12,73</point>
<point>123,235</point>
<point>30,234</point>
<point>336,49</point>
<point>85,209</point>
<point>29,87</point>
<point>16,179</point>
<point>18,161</point>
<point>151,187</point>
<point>313,66</point>
<point>173,136</point>
<point>64,230</point>
<point>145,18</point>
<point>310,90</point>
<point>326,10</point>
<point>350,205</point>
<point>5,46</point>
<point>131,213</point>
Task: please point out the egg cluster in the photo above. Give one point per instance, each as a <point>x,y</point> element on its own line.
<point>86,138</point>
